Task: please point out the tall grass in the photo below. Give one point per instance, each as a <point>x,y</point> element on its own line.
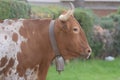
<point>88,70</point>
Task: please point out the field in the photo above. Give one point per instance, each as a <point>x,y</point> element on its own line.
<point>87,70</point>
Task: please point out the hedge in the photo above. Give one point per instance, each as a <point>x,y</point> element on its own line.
<point>14,9</point>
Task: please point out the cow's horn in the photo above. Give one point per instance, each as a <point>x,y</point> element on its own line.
<point>72,7</point>
<point>66,16</point>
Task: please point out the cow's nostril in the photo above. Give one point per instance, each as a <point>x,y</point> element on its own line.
<point>89,51</point>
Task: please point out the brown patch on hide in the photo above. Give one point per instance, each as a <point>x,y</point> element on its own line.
<point>3,61</point>
<point>7,68</point>
<point>15,37</point>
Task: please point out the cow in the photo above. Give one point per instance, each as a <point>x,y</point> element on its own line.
<point>25,47</point>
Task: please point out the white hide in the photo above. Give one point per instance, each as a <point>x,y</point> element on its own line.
<point>10,49</point>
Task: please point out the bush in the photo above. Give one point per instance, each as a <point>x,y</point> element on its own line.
<point>107,22</point>
<point>115,17</point>
<point>97,47</point>
<point>116,43</point>
<point>111,23</point>
<point>14,9</point>
<point>116,34</point>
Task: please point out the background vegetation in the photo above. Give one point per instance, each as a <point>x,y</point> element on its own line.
<point>112,24</point>
<point>14,9</point>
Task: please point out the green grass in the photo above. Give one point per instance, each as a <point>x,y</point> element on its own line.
<point>88,70</point>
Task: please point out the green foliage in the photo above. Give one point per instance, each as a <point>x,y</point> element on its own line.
<point>115,17</point>
<point>100,48</point>
<point>97,47</point>
<point>4,9</point>
<point>112,23</point>
<point>14,9</point>
<point>116,44</point>
<point>116,32</point>
<point>107,22</point>
<point>116,35</point>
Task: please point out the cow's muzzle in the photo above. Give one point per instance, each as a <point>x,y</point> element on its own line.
<point>87,53</point>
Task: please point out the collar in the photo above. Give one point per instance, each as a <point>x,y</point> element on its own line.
<point>58,58</point>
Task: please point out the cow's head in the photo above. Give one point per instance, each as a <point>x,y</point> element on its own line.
<point>70,37</point>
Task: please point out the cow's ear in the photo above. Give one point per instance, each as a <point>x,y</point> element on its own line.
<point>65,17</point>
<point>65,26</point>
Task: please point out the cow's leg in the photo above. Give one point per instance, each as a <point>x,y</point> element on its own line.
<point>43,69</point>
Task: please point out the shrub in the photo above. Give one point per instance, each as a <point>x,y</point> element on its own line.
<point>117,40</point>
<point>115,17</point>
<point>116,44</point>
<point>96,47</point>
<point>14,9</point>
<point>116,34</point>
<point>107,22</point>
<point>112,23</point>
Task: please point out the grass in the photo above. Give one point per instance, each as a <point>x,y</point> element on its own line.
<point>88,70</point>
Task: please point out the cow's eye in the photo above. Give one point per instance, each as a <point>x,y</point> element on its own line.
<point>75,29</point>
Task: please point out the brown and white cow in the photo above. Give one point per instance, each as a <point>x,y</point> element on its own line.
<point>25,48</point>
